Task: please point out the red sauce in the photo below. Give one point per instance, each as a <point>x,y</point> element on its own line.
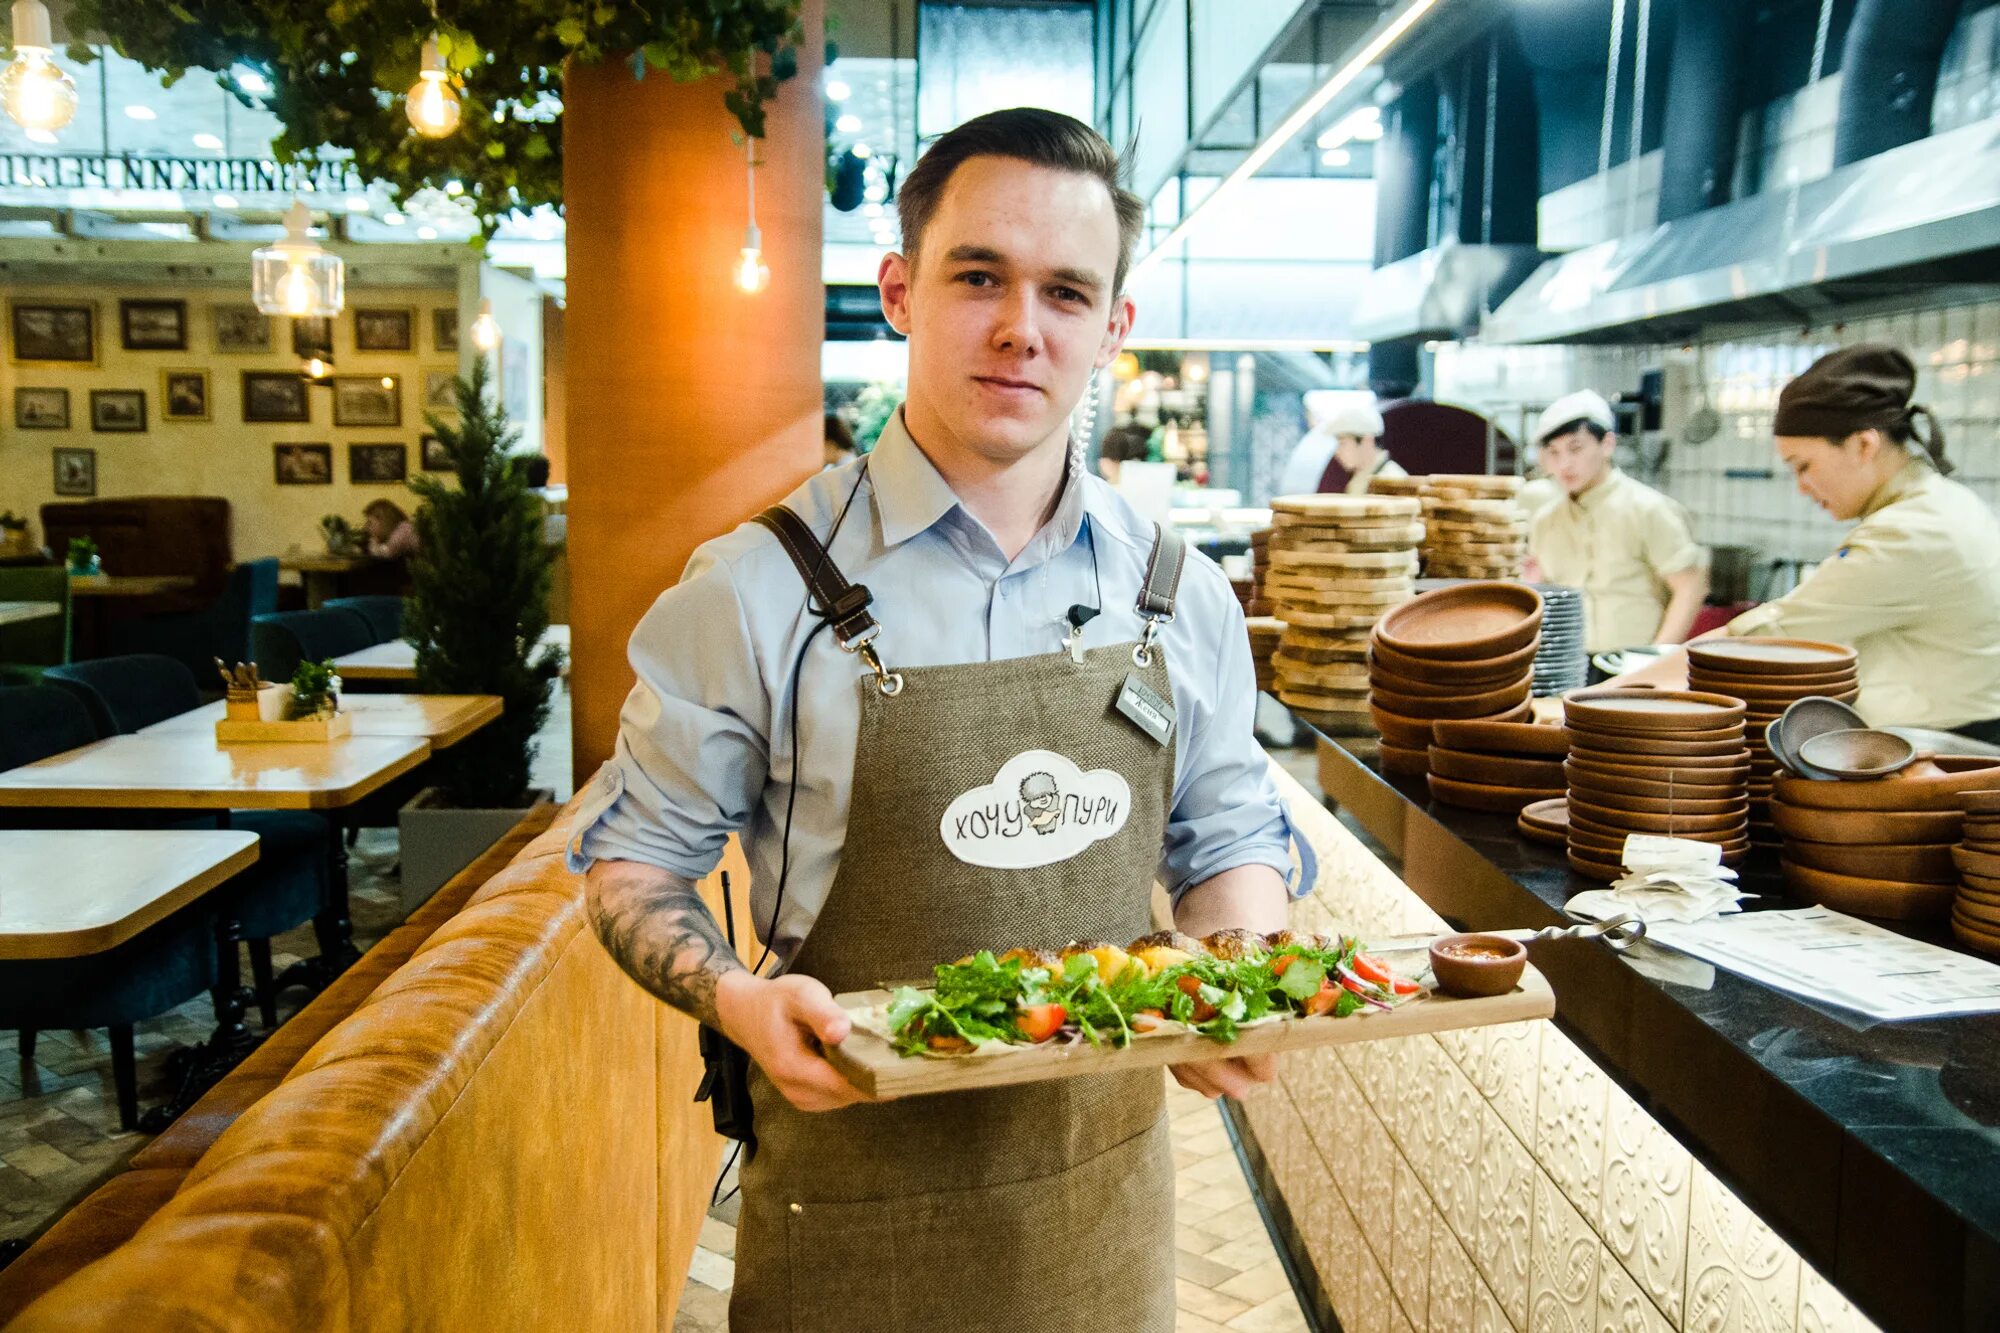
<point>1476,950</point>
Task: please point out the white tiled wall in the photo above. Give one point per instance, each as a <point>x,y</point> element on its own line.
<point>1496,1180</point>
<point>1969,80</point>
<point>1957,351</point>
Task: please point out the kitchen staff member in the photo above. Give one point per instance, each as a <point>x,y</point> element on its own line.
<point>1915,587</point>
<point>1356,427</point>
<point>1630,548</point>
<point>1020,610</point>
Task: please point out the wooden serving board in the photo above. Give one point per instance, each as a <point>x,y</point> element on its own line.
<point>872,1065</point>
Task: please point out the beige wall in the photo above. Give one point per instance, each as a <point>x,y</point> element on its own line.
<point>224,455</point>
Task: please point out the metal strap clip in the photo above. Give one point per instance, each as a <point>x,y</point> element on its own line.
<point>1142,653</point>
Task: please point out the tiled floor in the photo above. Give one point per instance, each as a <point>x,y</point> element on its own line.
<point>1229,1275</point>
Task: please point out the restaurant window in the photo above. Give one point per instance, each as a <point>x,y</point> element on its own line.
<point>973,59</point>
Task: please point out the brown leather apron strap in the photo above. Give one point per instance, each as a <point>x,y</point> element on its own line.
<point>834,599</point>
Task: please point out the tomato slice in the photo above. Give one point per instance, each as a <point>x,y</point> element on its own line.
<point>1349,983</point>
<point>1284,961</point>
<point>1039,1022</point>
<point>1323,1001</point>
<point>1369,968</point>
<point>1403,986</point>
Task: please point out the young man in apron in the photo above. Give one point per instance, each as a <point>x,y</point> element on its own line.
<point>910,767</point>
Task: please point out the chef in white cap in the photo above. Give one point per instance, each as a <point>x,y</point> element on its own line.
<point>1344,426</point>
<point>1630,548</point>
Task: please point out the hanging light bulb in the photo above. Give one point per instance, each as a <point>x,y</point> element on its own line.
<point>34,89</point>
<point>752,274</point>
<point>295,277</point>
<point>432,104</point>
<point>317,369</point>
<point>486,329</point>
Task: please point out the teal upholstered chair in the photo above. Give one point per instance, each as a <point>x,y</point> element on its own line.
<point>283,639</point>
<point>383,614</point>
<point>219,630</point>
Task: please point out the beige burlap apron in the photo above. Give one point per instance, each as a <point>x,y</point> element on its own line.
<point>1031,1209</point>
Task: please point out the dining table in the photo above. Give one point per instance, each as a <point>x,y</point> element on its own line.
<point>14,613</point>
<point>323,574</point>
<point>127,585</point>
<point>442,719</point>
<point>396,660</point>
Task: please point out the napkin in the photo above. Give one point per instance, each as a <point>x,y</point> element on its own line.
<point>1665,879</point>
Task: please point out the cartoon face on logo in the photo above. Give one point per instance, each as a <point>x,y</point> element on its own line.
<point>1039,809</point>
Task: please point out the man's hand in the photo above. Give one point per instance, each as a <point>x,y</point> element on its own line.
<point>785,1024</point>
<point>1227,1078</point>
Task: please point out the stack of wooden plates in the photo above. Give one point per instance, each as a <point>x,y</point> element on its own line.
<point>1464,651</point>
<point>1473,527</point>
<point>1666,762</point>
<point>1769,675</point>
<point>1260,569</point>
<point>1265,634</point>
<point>1545,821</point>
<point>1881,847</point>
<point>1499,766</point>
<point>1337,564</point>
<point>1975,913</point>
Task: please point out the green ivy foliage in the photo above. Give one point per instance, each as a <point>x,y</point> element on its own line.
<point>339,70</point>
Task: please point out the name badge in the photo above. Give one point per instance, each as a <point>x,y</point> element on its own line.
<point>1148,711</point>
<point>1039,809</point>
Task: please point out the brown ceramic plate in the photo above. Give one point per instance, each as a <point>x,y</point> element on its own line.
<point>1545,821</point>
<point>1508,738</point>
<point>1612,847</point>
<point>1890,900</point>
<point>1483,796</point>
<point>1636,783</point>
<point>1411,733</point>
<point>1464,622</point>
<point>1599,750</point>
<point>1463,705</point>
<point>1606,820</point>
<point>1495,769</point>
<point>1832,683</point>
<point>1658,710</point>
<point>1656,805</point>
<point>1397,683</point>
<point>1972,862</point>
<point>1734,731</point>
<point>1976,913</point>
<point>1775,699</point>
<point>1403,762</point>
<point>1593,867</point>
<point>1768,657</point>
<point>1477,670</point>
<point>1661,743</point>
<point>1981,801</point>
<point>1979,941</point>
<point>1916,863</point>
<point>1658,773</point>
<point>1979,889</point>
<point>1852,827</point>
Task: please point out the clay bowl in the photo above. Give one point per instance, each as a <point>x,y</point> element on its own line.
<point>1709,754</point>
<point>1763,657</point>
<point>1976,801</point>
<point>1609,842</point>
<point>1832,682</point>
<point>1980,889</point>
<point>1656,805</point>
<point>1396,682</point>
<point>1509,738</point>
<point>1733,731</point>
<point>1983,915</point>
<point>1545,821</point>
<point>1777,698</point>
<point>1656,774</point>
<point>1404,762</point>
<point>1979,941</point>
<point>1601,868</point>
<point>1973,862</point>
<point>1582,740</point>
<point>1603,819</point>
<point>1915,863</point>
<point>1853,827</point>
<point>1464,622</point>
<point>1857,755</point>
<point>1472,672</point>
<point>1670,711</point>
<point>1636,783</point>
<point>1945,782</point>
<point>1495,769</point>
<point>1410,733</point>
<point>1471,966</point>
<point>1890,900</point>
<point>1463,705</point>
<point>1488,796</point>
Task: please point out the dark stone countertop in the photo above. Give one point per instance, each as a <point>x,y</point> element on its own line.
<point>1873,1148</point>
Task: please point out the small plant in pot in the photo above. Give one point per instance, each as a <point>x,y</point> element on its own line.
<point>476,613</point>
<point>315,691</point>
<point>340,536</point>
<point>83,556</point>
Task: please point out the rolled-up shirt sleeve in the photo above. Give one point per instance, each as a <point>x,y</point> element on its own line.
<point>1667,538</point>
<point>1875,582</point>
<point>693,737</point>
<point>1227,811</point>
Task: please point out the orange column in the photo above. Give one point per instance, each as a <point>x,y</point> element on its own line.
<point>690,405</point>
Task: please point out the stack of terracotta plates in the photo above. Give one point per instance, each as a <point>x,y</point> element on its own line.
<point>1881,847</point>
<point>1975,913</point>
<point>1265,633</point>
<point>1260,568</point>
<point>1460,652</point>
<point>1337,564</point>
<point>1668,762</point>
<point>1769,675</point>
<point>1473,527</point>
<point>1499,766</point>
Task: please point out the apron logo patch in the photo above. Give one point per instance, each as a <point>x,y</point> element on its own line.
<point>1038,810</point>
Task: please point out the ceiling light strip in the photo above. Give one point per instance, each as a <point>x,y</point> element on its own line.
<point>1244,345</point>
<point>1304,115</point>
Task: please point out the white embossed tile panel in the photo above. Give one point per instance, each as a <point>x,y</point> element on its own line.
<point>1506,1194</point>
<point>1402,1085</point>
<point>1507,1072</point>
<point>1375,1183</point>
<point>1740,1277</point>
<point>1372,1299</point>
<point>1822,1309</point>
<point>1454,1284</point>
<point>1621,1306</point>
<point>1487,1316</point>
<point>1569,1120</point>
<point>1430,1073</point>
<point>1336,1254</point>
<point>1454,1164</point>
<point>1410,1259</point>
<point>1562,1279</point>
<point>1381,1075</point>
<point>1644,1219</point>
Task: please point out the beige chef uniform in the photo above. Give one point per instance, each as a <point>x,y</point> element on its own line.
<point>1618,541</point>
<point>1385,466</point>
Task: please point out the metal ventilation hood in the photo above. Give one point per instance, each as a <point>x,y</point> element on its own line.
<point>1924,217</point>
<point>1441,292</point>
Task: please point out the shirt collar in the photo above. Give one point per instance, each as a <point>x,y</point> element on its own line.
<point>1597,494</point>
<point>1907,479</point>
<point>912,496</point>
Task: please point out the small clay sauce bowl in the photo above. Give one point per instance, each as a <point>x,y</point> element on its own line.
<point>1473,966</point>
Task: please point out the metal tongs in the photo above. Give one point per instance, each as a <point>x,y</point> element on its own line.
<point>1619,933</point>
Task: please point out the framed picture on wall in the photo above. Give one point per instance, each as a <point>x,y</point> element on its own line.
<point>76,472</point>
<point>440,391</point>
<point>313,336</point>
<point>242,328</point>
<point>118,411</point>
<point>303,464</point>
<point>367,400</point>
<point>432,455</point>
<point>274,395</point>
<point>444,330</point>
<point>377,464</point>
<point>56,333</point>
<point>384,330</point>
<point>183,395</point>
<point>41,409</point>
<point>153,326</point>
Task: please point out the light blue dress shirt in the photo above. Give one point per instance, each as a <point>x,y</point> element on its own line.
<point>705,741</point>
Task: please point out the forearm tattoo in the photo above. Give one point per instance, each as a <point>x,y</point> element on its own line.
<point>665,938</point>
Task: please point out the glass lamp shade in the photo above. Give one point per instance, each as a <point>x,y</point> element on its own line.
<point>432,104</point>
<point>36,93</point>
<point>486,329</point>
<point>296,278</point>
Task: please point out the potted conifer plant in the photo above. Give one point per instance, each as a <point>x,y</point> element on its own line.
<point>476,613</point>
